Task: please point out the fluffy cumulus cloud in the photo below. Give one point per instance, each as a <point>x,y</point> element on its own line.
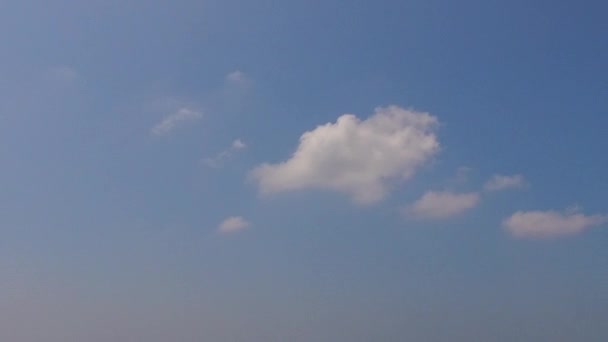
<point>441,205</point>
<point>361,158</point>
<point>502,182</point>
<point>232,225</point>
<point>545,224</point>
<point>174,120</point>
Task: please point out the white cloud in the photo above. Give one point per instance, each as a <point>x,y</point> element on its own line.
<point>440,205</point>
<point>233,224</point>
<point>238,144</point>
<point>178,118</point>
<point>502,182</point>
<point>545,224</point>
<point>225,155</point>
<point>357,157</point>
<point>237,77</point>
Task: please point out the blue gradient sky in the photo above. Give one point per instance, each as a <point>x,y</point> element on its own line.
<point>111,230</point>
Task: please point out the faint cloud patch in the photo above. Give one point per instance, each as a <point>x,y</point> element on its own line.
<point>233,225</point>
<point>222,157</point>
<point>238,77</point>
<point>442,204</point>
<point>174,120</point>
<point>502,182</point>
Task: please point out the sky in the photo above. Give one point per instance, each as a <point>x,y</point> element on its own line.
<point>303,170</point>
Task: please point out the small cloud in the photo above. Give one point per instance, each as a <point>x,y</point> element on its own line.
<point>238,145</point>
<point>546,224</point>
<point>174,120</point>
<point>233,224</point>
<point>441,205</point>
<point>225,155</point>
<point>237,77</point>
<point>361,158</point>
<point>502,182</point>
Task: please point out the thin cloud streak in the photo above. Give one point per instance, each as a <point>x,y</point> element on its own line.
<point>502,182</point>
<point>233,225</point>
<point>179,118</point>
<point>222,157</point>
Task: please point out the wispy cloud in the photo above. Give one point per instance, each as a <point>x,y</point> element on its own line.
<point>238,144</point>
<point>551,223</point>
<point>238,77</point>
<point>441,205</point>
<point>225,155</point>
<point>359,157</point>
<point>174,120</point>
<point>502,182</point>
<point>233,225</point>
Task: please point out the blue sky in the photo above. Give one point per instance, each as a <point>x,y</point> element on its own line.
<point>297,171</point>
